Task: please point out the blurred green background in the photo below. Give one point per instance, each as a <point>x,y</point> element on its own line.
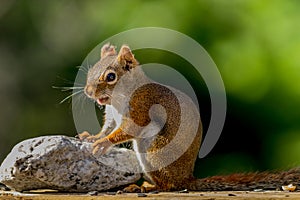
<point>254,43</point>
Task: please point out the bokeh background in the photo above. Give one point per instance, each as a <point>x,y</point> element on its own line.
<point>255,44</point>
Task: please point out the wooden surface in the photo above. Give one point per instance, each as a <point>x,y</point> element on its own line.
<point>170,195</point>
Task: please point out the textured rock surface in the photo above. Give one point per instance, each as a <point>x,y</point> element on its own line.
<point>66,164</point>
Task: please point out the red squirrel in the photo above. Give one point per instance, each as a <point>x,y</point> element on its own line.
<point>164,125</point>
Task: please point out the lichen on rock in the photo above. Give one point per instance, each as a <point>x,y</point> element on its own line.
<point>66,164</point>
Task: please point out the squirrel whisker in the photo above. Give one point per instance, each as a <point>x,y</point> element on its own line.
<point>70,82</point>
<point>89,67</point>
<point>71,95</point>
<point>83,70</point>
<point>115,99</point>
<point>63,89</point>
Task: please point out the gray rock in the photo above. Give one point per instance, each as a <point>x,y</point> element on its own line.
<point>66,164</point>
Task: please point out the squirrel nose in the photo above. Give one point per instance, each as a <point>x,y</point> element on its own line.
<point>89,91</point>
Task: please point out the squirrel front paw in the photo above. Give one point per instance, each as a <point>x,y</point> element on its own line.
<point>101,146</point>
<point>86,137</point>
<point>82,136</point>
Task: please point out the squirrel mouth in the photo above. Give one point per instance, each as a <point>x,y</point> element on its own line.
<point>102,100</point>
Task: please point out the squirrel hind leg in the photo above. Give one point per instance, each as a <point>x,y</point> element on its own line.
<point>147,187</point>
<point>133,188</point>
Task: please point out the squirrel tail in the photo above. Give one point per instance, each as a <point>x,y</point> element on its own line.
<point>246,181</point>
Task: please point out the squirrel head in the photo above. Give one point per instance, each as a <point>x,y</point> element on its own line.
<point>104,75</point>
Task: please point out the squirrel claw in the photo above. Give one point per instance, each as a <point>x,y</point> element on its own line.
<point>85,136</point>
<point>91,138</point>
<point>101,146</point>
<point>82,136</point>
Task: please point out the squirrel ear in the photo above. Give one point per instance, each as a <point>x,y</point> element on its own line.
<point>108,50</point>
<point>126,58</point>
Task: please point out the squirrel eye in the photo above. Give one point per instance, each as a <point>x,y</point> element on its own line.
<point>111,77</point>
